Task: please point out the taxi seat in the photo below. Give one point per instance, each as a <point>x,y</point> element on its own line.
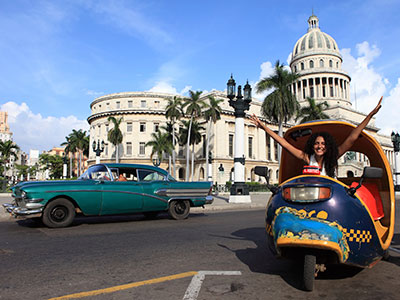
<point>369,194</point>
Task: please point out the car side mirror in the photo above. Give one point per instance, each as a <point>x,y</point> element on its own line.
<point>263,172</point>
<point>368,172</point>
<point>372,172</point>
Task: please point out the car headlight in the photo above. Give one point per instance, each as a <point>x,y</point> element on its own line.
<point>24,195</point>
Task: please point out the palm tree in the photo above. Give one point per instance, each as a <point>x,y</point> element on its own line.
<point>193,106</point>
<point>8,150</point>
<point>313,111</point>
<point>191,135</point>
<point>160,145</point>
<point>280,105</point>
<point>70,149</point>
<point>79,141</point>
<point>172,138</point>
<point>212,115</point>
<point>174,112</point>
<point>115,135</point>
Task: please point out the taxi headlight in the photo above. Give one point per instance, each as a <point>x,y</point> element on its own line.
<point>24,195</point>
<point>306,193</point>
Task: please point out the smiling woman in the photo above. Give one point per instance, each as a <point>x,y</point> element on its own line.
<point>321,149</point>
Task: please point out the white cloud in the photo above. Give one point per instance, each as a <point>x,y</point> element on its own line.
<point>186,89</point>
<point>33,131</point>
<point>388,117</point>
<point>367,85</point>
<point>163,87</point>
<point>267,69</point>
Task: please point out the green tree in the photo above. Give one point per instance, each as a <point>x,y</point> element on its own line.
<point>79,140</point>
<point>8,150</point>
<point>172,138</point>
<point>160,145</point>
<point>280,105</point>
<point>53,163</point>
<point>174,112</point>
<point>70,150</point>
<point>191,135</point>
<point>313,111</point>
<point>115,135</point>
<point>212,115</point>
<point>193,106</point>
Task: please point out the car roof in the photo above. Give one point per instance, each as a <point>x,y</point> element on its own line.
<point>137,166</point>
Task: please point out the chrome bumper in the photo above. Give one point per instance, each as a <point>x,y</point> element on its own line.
<point>209,200</point>
<point>26,212</point>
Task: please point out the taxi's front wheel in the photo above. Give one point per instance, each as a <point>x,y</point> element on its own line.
<point>58,213</point>
<point>179,210</point>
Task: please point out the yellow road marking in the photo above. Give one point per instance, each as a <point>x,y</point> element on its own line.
<point>125,286</point>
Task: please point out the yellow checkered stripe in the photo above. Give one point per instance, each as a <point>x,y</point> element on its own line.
<point>359,236</point>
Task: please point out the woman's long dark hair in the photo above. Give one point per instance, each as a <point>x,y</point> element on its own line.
<point>331,154</point>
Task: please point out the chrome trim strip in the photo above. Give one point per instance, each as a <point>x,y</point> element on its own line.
<point>186,192</point>
<point>17,211</point>
<point>34,200</point>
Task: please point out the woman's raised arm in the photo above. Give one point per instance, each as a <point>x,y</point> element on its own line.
<point>349,141</point>
<point>284,143</point>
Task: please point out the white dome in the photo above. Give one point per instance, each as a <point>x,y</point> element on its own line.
<point>315,42</point>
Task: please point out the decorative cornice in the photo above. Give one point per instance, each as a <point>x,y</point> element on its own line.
<point>132,95</point>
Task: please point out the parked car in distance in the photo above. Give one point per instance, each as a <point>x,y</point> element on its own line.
<point>108,189</point>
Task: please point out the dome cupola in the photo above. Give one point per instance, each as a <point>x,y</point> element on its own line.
<point>315,42</point>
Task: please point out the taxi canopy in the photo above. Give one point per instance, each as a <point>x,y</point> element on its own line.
<point>298,135</point>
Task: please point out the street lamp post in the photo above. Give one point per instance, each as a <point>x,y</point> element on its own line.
<point>98,149</point>
<point>396,148</point>
<point>239,191</point>
<point>156,161</point>
<point>65,167</point>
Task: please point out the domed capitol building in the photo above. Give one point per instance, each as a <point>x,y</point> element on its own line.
<point>317,60</point>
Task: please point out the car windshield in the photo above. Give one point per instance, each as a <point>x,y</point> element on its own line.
<point>98,172</point>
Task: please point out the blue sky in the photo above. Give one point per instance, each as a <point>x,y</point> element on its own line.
<point>58,56</point>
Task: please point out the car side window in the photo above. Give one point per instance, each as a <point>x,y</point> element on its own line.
<point>126,174</point>
<point>150,175</point>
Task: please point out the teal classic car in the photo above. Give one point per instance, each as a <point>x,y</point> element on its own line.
<point>108,189</point>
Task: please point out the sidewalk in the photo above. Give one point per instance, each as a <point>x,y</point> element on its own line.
<point>221,202</point>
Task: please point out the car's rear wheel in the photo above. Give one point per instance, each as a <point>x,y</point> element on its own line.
<point>58,213</point>
<point>179,210</point>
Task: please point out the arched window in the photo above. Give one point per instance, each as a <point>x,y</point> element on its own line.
<point>181,173</point>
<point>302,66</point>
<point>277,174</point>
<point>295,69</point>
<point>201,173</point>
<point>321,63</point>
<point>311,64</point>
<point>330,63</point>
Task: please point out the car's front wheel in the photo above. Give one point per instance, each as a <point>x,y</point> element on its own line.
<point>179,210</point>
<point>58,213</point>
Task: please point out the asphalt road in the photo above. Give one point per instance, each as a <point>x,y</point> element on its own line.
<point>135,258</point>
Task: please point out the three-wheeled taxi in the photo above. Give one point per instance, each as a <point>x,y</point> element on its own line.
<point>323,220</point>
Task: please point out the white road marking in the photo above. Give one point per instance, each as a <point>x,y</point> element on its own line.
<point>195,285</point>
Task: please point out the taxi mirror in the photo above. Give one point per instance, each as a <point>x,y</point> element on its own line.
<point>372,172</point>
